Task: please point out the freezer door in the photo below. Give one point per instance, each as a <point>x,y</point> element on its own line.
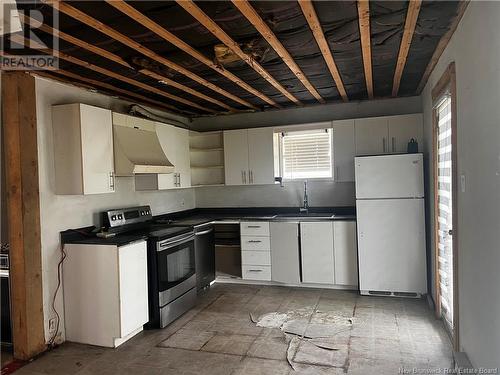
<point>391,245</point>
<point>389,176</point>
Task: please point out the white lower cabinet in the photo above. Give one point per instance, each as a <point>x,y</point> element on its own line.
<point>285,261</point>
<point>105,292</point>
<point>345,253</point>
<point>255,250</point>
<point>316,243</point>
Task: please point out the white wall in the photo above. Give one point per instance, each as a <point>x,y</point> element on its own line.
<point>313,113</point>
<point>475,49</point>
<point>321,193</point>
<point>60,212</point>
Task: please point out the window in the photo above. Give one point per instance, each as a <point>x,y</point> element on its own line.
<point>306,154</point>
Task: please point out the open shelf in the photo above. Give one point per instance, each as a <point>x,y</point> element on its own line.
<point>207,158</point>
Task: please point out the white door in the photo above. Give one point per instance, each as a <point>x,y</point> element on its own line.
<point>132,269</point>
<point>371,136</point>
<point>346,253</point>
<point>236,156</point>
<point>97,150</point>
<point>316,239</point>
<point>402,129</point>
<point>444,209</point>
<point>183,162</point>
<point>391,245</point>
<point>285,262</point>
<point>260,156</point>
<point>389,176</point>
<point>344,150</point>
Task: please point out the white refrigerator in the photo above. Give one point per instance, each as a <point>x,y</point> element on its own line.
<point>391,225</point>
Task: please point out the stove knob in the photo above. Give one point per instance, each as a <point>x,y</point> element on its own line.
<point>113,217</point>
<point>120,217</point>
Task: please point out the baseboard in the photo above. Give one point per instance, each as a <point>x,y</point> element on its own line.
<point>462,363</point>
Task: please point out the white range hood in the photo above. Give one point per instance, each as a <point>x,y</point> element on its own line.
<point>137,148</point>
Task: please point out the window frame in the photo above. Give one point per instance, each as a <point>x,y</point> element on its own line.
<point>279,134</point>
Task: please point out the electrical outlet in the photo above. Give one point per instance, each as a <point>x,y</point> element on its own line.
<point>52,324</point>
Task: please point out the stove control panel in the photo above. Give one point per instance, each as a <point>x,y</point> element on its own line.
<point>124,216</point>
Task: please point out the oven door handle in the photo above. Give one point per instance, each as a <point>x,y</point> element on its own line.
<point>204,232</point>
<point>169,245</point>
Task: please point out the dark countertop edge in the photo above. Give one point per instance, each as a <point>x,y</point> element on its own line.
<point>238,212</point>
<point>82,236</point>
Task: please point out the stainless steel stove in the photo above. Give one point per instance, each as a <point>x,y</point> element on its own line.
<point>171,262</point>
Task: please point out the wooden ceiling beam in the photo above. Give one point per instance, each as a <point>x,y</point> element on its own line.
<point>315,26</point>
<point>183,46</point>
<point>410,23</point>
<point>254,18</point>
<point>364,30</point>
<point>443,42</point>
<point>112,33</point>
<point>217,31</point>
<point>33,44</point>
<point>117,59</point>
<point>90,83</point>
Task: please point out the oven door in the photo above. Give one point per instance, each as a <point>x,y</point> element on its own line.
<point>176,267</point>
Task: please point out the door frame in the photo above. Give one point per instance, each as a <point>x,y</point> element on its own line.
<point>447,82</point>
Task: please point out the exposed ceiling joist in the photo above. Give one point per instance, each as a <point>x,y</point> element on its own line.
<point>103,28</point>
<point>410,23</point>
<point>117,59</point>
<point>33,44</point>
<point>174,40</point>
<point>315,26</point>
<point>364,29</point>
<point>251,14</point>
<point>80,81</point>
<point>217,31</point>
<point>443,42</point>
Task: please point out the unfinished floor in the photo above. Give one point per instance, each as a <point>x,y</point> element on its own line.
<point>218,337</point>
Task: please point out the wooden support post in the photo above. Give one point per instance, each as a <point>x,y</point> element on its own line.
<point>23,212</point>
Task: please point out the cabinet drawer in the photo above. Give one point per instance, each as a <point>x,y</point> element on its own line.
<point>254,228</point>
<point>257,258</point>
<point>256,272</point>
<point>255,243</point>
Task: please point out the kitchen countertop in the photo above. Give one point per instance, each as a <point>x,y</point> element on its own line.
<point>85,236</point>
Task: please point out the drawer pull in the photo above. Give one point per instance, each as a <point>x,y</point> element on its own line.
<point>253,226</point>
<point>254,270</point>
<point>254,241</point>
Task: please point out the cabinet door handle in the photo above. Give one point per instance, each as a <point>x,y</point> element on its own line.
<point>253,226</point>
<point>244,177</point>
<point>250,176</point>
<point>179,177</point>
<point>242,180</point>
<point>254,270</point>
<point>392,140</point>
<point>112,181</point>
<point>337,173</point>
<point>383,144</point>
<point>254,241</point>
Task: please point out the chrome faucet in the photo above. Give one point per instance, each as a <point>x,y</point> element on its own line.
<point>305,207</point>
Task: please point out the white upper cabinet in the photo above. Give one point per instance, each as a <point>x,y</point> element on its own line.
<point>83,149</point>
<point>174,142</point>
<point>236,156</point>
<point>387,135</point>
<point>260,156</point>
<point>248,156</point>
<point>402,129</point>
<point>371,136</point>
<point>344,150</point>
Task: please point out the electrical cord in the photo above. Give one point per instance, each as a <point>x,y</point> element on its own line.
<point>52,340</point>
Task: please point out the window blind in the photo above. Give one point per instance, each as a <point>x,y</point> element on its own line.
<point>307,154</point>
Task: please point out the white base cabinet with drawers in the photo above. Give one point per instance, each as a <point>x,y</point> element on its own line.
<point>292,253</point>
<point>255,250</point>
<point>105,292</point>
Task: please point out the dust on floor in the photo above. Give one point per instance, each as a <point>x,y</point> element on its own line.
<point>249,329</point>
